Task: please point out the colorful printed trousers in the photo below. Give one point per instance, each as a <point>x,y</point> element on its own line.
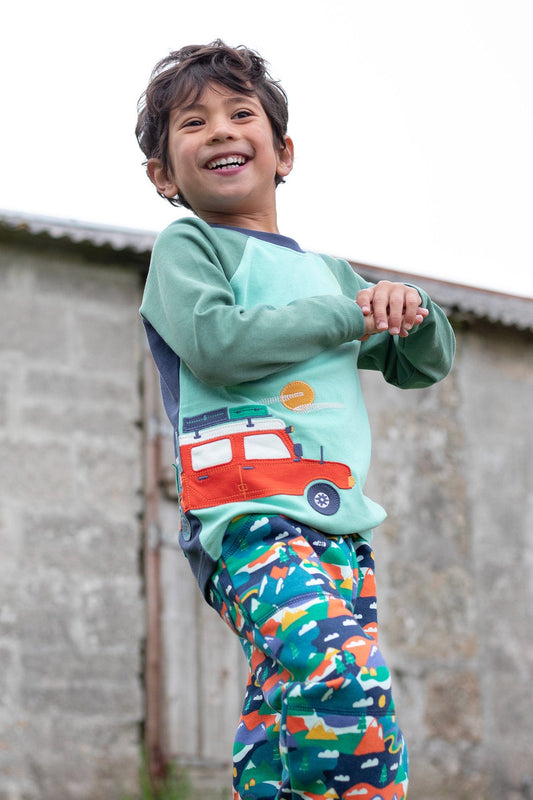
<point>318,719</point>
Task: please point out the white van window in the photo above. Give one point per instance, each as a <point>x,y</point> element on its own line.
<point>211,454</point>
<point>265,445</point>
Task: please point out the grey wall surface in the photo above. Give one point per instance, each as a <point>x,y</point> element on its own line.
<point>452,466</point>
<point>71,612</point>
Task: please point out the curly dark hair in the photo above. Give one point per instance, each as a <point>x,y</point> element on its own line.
<point>185,73</point>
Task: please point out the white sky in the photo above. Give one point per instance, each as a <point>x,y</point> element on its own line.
<point>412,121</point>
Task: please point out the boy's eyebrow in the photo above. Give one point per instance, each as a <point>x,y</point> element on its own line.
<point>197,106</point>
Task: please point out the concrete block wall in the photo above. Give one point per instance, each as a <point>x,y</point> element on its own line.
<point>71,611</point>
<point>452,466</point>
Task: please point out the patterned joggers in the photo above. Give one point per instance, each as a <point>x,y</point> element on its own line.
<point>318,718</point>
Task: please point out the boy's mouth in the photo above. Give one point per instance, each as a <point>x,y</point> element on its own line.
<point>226,162</point>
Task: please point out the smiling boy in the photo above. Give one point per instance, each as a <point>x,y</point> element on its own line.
<point>258,343</point>
<point>222,152</point>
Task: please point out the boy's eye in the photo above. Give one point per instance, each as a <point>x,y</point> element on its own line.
<point>242,114</point>
<point>190,123</point>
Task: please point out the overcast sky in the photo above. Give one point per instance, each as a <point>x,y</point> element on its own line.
<point>412,122</point>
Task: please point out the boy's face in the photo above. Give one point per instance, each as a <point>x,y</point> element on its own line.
<point>223,158</point>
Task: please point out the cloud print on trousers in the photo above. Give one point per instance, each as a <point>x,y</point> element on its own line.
<point>363,703</point>
<point>329,754</point>
<point>307,627</point>
<point>259,523</point>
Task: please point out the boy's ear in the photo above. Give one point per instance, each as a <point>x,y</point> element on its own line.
<point>285,158</point>
<point>157,174</point>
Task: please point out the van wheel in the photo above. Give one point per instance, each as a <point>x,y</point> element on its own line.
<point>323,498</point>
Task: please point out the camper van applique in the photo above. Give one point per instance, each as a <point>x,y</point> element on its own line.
<point>233,454</point>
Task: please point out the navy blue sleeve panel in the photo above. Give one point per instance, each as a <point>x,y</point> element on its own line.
<point>168,365</point>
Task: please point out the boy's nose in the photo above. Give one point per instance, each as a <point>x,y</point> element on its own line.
<point>219,131</point>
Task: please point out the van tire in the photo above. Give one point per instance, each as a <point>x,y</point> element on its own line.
<point>323,498</point>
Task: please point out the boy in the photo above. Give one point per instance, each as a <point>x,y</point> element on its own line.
<point>258,344</point>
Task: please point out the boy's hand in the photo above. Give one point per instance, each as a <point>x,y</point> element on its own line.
<point>390,306</point>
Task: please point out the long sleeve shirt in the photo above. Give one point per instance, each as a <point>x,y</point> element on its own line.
<point>257,345</point>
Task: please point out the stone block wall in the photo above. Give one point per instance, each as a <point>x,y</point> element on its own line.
<point>71,611</point>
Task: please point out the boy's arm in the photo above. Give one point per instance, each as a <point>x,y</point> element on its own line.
<point>416,358</point>
<point>189,301</point>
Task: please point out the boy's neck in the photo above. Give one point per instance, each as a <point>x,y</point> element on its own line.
<point>267,223</point>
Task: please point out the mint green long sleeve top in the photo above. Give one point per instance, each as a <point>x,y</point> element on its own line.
<point>257,345</point>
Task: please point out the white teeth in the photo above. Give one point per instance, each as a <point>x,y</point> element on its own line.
<point>230,161</point>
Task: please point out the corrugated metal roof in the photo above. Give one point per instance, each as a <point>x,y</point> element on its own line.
<point>458,299</point>
<point>462,300</point>
<point>76,232</point>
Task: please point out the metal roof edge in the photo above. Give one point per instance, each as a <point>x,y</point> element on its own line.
<point>459,299</point>
<point>77,232</point>
<point>456,299</point>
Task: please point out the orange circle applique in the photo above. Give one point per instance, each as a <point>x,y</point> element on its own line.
<point>295,394</point>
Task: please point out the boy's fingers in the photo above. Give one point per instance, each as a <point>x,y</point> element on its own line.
<point>380,305</point>
<point>364,299</point>
<point>412,305</point>
<point>419,317</point>
<point>396,308</point>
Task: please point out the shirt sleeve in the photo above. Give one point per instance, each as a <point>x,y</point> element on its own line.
<point>189,301</point>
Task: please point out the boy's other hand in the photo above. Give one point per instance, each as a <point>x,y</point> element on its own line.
<point>390,306</point>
